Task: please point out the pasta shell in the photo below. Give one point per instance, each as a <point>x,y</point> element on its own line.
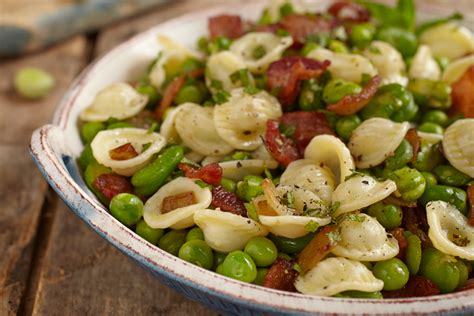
<point>119,100</point>
<point>336,275</point>
<point>344,66</point>
<point>424,66</point>
<point>332,152</point>
<point>458,145</point>
<point>226,232</point>
<point>241,121</point>
<point>308,175</point>
<point>364,239</point>
<point>220,67</point>
<point>167,128</point>
<point>365,143</point>
<point>360,191</point>
<point>170,61</point>
<point>107,140</point>
<point>388,61</point>
<point>262,153</point>
<point>195,126</point>
<point>457,68</point>
<point>238,169</point>
<point>449,230</point>
<point>179,218</point>
<point>291,226</point>
<point>273,45</point>
<point>448,40</point>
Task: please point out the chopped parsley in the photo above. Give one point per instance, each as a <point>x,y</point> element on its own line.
<point>334,237</point>
<point>221,97</point>
<point>311,226</point>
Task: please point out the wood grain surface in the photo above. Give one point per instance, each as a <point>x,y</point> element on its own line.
<point>50,262</point>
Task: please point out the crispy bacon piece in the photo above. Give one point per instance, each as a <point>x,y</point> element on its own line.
<point>124,152</point>
<point>179,200</point>
<point>346,11</point>
<point>227,201</point>
<point>211,173</point>
<point>317,249</point>
<point>281,275</point>
<point>282,148</point>
<point>463,95</point>
<point>172,90</point>
<point>111,184</point>
<point>415,142</point>
<point>402,241</point>
<point>470,197</point>
<point>301,26</point>
<point>416,286</point>
<point>284,76</point>
<point>230,26</point>
<point>353,103</point>
<point>414,220</point>
<point>306,125</point>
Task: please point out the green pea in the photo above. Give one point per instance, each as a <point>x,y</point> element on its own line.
<point>151,92</point>
<point>338,46</point>
<point>219,258</point>
<point>33,83</point>
<point>90,129</point>
<point>229,185</point>
<point>195,233</point>
<point>430,178</point>
<point>429,127</point>
<point>437,117</point>
<point>311,96</point>
<point>452,195</point>
<point>86,157</point>
<point>219,44</point>
<point>463,273</point>
<point>308,48</point>
<point>360,294</point>
<point>261,274</point>
<point>428,157</point>
<point>148,233</point>
<point>149,179</point>
<point>241,155</point>
<point>410,183</point>
<point>413,253</point>
<point>191,64</point>
<point>431,94</point>
<point>407,112</point>
<point>202,44</point>
<point>291,245</point>
<point>197,252</point>
<point>115,125</point>
<point>220,269</point>
<point>189,93</point>
<point>403,155</point>
<point>240,266</point>
<point>393,272</point>
<point>251,187</point>
<point>362,34</point>
<point>389,215</point>
<point>127,208</point>
<point>440,268</point>
<point>404,41</point>
<point>346,125</point>
<point>93,170</point>
<point>172,241</point>
<point>262,250</point>
<point>336,89</point>
<point>449,175</point>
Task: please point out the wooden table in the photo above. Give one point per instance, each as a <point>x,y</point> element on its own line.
<point>50,262</point>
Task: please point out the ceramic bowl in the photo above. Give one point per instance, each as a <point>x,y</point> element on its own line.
<point>56,146</point>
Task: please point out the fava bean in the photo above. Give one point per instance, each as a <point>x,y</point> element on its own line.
<point>410,183</point>
<point>429,127</point>
<point>149,179</point>
<point>452,195</point>
<point>404,41</point>
<point>393,272</point>
<point>189,93</point>
<point>219,269</point>
<point>402,156</point>
<point>195,234</point>
<point>346,125</point>
<point>261,274</point>
<point>430,178</point>
<point>336,89</point>
<point>437,117</point>
<point>441,269</point>
<point>389,215</point>
<point>428,157</point>
<point>463,273</point>
<point>431,94</point>
<point>172,241</point>
<point>86,157</point>
<point>197,252</point>
<point>229,185</point>
<point>413,253</point>
<point>250,188</point>
<point>127,208</point>
<point>262,250</point>
<point>362,34</point>
<point>240,266</point>
<point>449,175</point>
<point>291,245</point>
<point>148,233</point>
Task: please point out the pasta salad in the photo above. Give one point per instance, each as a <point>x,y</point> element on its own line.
<point>327,153</point>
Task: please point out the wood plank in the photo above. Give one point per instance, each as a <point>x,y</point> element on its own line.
<point>83,274</point>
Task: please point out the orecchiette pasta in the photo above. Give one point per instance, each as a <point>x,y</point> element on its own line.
<point>219,69</point>
<point>309,175</point>
<point>360,191</point>
<point>269,46</point>
<point>388,61</point>
<point>423,65</point>
<point>291,226</point>
<point>332,152</point>
<point>364,239</point>
<point>457,68</point>
<point>119,101</point>
<point>458,144</point>
<point>181,217</point>
<point>448,40</point>
<point>195,126</point>
<point>449,230</point>
<point>336,275</point>
<point>349,67</point>
<point>241,121</point>
<point>167,128</point>
<point>107,140</point>
<point>216,226</point>
<point>365,143</point>
<point>170,61</point>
